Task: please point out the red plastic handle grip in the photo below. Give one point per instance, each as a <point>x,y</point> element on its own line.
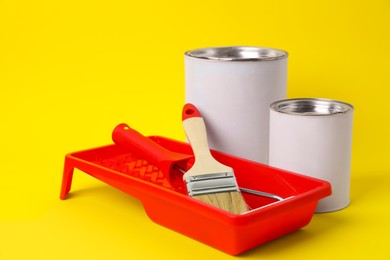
<point>123,135</point>
<point>190,111</point>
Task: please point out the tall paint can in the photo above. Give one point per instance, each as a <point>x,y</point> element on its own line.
<point>233,88</point>
<point>314,137</point>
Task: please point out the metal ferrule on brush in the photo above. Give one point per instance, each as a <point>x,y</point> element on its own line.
<point>211,183</point>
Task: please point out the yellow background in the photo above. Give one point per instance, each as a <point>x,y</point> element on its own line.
<point>72,70</point>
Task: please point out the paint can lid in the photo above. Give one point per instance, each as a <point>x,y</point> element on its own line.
<point>311,107</point>
<point>237,53</point>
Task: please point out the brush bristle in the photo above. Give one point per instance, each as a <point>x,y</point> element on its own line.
<point>229,201</point>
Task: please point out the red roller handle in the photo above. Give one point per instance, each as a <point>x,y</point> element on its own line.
<point>128,138</point>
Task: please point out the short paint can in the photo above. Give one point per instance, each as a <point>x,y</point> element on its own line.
<point>313,137</point>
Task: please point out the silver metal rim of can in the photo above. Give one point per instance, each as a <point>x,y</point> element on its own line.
<point>311,107</point>
<point>237,53</point>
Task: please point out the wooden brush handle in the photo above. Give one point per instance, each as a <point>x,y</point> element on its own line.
<point>195,130</point>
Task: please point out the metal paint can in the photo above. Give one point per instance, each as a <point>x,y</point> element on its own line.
<point>233,87</point>
<point>313,137</point>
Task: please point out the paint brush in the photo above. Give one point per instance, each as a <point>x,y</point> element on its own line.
<point>209,180</point>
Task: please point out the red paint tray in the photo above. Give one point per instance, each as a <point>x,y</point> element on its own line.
<point>171,207</point>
